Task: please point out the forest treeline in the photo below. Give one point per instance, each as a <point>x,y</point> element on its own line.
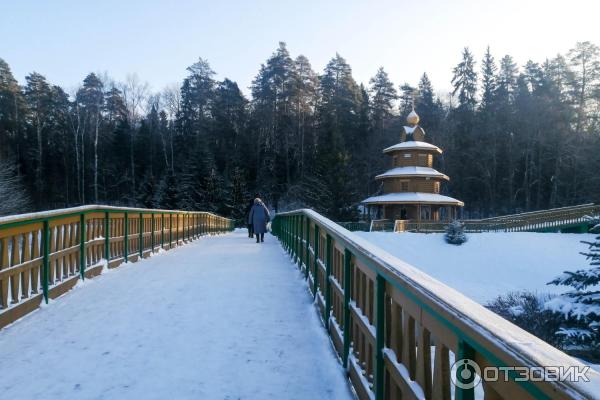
<point>515,138</point>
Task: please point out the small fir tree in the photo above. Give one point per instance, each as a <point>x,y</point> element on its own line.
<point>455,233</point>
<point>581,305</point>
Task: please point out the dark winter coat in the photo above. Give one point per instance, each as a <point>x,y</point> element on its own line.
<point>259,217</point>
<point>247,212</point>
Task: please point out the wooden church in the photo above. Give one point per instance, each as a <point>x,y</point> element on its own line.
<point>411,189</point>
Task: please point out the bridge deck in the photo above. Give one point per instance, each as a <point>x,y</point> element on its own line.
<point>221,318</point>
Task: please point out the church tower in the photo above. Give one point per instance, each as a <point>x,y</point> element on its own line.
<point>411,189</point>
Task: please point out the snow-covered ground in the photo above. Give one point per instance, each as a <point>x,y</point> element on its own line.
<point>221,318</point>
<point>489,264</point>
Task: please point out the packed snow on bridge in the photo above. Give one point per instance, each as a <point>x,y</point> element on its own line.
<point>220,318</point>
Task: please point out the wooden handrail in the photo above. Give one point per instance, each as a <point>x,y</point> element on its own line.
<point>544,212</point>
<point>535,220</point>
<point>43,254</point>
<point>385,317</point>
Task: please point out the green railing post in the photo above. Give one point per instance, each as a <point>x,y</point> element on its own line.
<point>307,248</point>
<point>170,231</point>
<point>347,292</point>
<point>82,255</point>
<point>162,231</point>
<point>379,335</point>
<point>176,229</point>
<point>46,260</point>
<point>285,232</point>
<point>289,235</point>
<point>465,352</point>
<point>316,262</point>
<point>126,238</point>
<point>107,237</point>
<point>297,238</point>
<point>141,236</point>
<point>288,229</point>
<point>283,222</point>
<point>300,241</point>
<point>328,261</point>
<point>152,235</point>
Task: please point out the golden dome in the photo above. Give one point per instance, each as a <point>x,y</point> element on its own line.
<point>413,118</point>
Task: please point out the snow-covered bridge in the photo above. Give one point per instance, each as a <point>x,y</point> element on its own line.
<point>225,318</point>
<point>220,318</point>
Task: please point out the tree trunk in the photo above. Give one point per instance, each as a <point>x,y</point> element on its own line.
<point>96,160</point>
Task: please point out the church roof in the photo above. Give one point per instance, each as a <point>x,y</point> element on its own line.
<point>413,145</point>
<point>412,171</point>
<point>413,198</point>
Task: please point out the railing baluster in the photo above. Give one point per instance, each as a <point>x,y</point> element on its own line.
<point>379,335</point>
<point>141,236</point>
<point>126,237</point>
<point>107,237</point>
<point>82,249</point>
<point>347,298</point>
<point>46,260</point>
<point>316,261</point>
<point>152,235</point>
<point>328,261</point>
<point>307,249</point>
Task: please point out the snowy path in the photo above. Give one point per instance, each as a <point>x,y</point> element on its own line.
<point>221,318</point>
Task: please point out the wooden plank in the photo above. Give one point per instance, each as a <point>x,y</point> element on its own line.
<point>424,376</point>
<point>408,344</point>
<point>441,373</point>
<point>407,388</point>
<point>19,230</point>
<point>20,310</point>
<point>63,287</point>
<point>361,387</point>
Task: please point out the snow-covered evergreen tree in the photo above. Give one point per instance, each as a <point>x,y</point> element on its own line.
<point>14,196</point>
<point>167,195</point>
<point>238,196</point>
<point>455,233</point>
<point>527,311</point>
<point>581,305</point>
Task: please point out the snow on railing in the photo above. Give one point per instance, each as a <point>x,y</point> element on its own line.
<point>44,254</point>
<point>398,330</point>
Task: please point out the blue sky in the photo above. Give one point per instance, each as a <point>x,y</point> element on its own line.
<point>65,40</point>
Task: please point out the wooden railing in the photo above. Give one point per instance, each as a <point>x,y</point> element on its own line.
<point>552,219</point>
<point>354,226</point>
<point>397,330</point>
<point>43,255</point>
<point>382,225</point>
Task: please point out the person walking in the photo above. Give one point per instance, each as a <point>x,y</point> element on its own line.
<point>259,217</point>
